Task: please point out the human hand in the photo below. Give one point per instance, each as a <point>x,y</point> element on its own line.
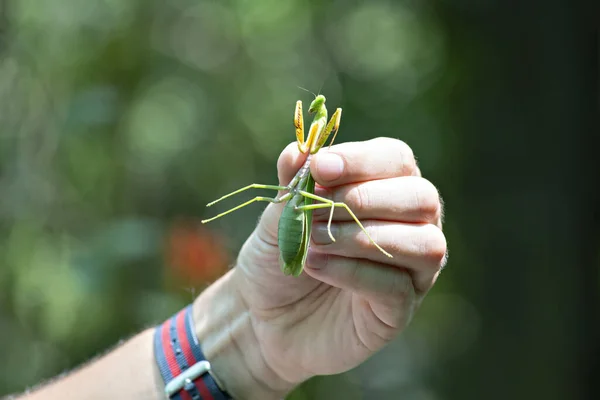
<point>351,299</point>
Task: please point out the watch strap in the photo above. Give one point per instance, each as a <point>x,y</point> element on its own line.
<point>181,362</point>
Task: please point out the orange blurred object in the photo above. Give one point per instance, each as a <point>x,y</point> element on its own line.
<point>194,254</point>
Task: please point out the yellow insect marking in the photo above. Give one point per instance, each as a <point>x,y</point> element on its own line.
<point>299,124</point>
<point>316,128</point>
<point>332,127</point>
<point>336,118</point>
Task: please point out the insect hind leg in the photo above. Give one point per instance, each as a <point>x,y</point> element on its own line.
<point>257,198</point>
<point>326,203</point>
<point>251,186</point>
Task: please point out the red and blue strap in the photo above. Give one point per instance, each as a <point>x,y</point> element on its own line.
<point>181,361</point>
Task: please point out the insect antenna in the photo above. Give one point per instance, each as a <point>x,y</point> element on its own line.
<point>322,84</point>
<point>300,87</point>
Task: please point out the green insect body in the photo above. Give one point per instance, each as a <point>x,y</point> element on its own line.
<point>295,223</point>
<point>294,232</point>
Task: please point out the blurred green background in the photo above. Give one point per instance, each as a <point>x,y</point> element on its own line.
<point>121,119</point>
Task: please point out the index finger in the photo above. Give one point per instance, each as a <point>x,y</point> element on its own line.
<point>379,158</point>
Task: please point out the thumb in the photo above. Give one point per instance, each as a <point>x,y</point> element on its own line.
<point>289,162</point>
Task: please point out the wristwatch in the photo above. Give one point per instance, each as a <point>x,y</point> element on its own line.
<point>184,369</point>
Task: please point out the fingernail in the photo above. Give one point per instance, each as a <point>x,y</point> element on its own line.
<point>320,235</point>
<point>316,260</point>
<point>330,166</point>
<point>321,212</point>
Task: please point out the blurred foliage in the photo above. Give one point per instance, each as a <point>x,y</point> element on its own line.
<point>121,119</point>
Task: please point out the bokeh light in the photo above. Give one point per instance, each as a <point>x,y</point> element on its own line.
<point>121,119</point>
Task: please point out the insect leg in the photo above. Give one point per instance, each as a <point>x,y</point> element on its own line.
<point>257,198</point>
<point>331,127</point>
<point>252,186</point>
<point>299,124</point>
<point>330,203</point>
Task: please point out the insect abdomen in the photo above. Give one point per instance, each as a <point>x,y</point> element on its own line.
<point>289,238</point>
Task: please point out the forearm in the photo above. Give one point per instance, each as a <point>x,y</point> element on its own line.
<point>224,329</point>
<point>128,372</point>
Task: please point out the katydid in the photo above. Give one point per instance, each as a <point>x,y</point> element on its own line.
<point>295,222</point>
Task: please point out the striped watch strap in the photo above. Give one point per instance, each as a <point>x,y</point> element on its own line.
<point>181,362</point>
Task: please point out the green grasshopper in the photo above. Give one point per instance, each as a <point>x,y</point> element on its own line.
<point>295,222</point>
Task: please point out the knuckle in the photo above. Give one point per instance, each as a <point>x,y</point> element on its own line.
<point>407,163</point>
<point>434,247</point>
<point>427,199</point>
<point>358,198</point>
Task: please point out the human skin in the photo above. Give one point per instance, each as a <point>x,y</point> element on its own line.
<point>263,332</point>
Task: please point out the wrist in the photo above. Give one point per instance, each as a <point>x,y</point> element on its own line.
<point>224,329</point>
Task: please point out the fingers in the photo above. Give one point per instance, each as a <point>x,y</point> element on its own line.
<point>405,199</point>
<point>393,287</point>
<point>356,162</point>
<point>421,249</point>
<point>379,158</point>
<point>372,183</point>
<point>380,181</point>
